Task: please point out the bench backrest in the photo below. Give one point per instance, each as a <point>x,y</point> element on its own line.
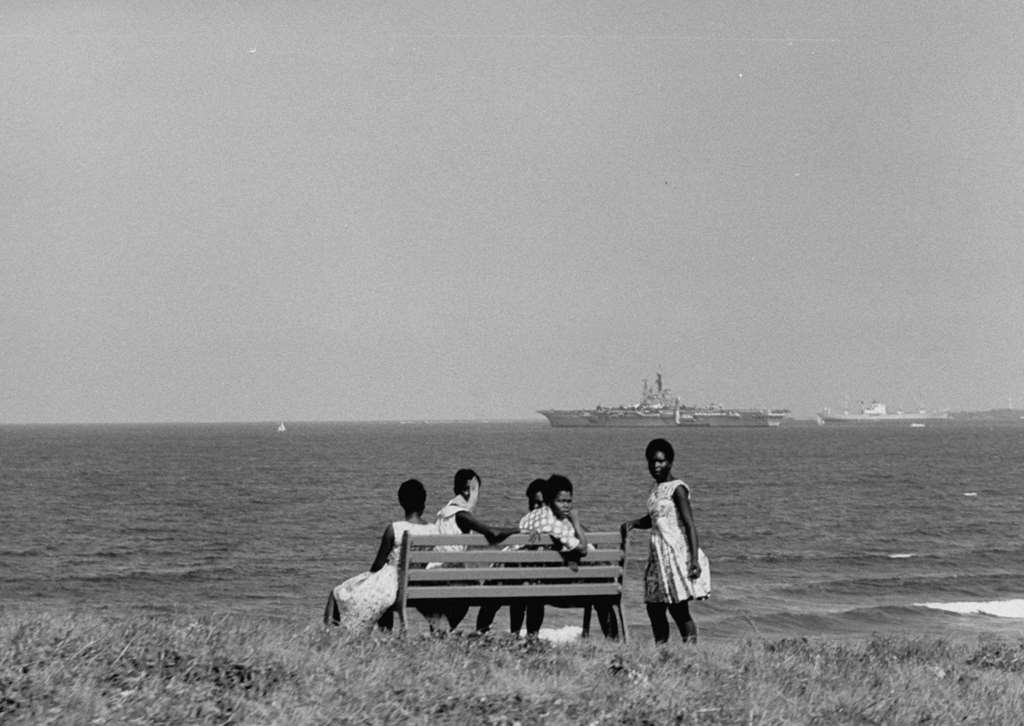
<point>465,567</point>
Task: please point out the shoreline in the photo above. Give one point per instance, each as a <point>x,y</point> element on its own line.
<point>719,627</point>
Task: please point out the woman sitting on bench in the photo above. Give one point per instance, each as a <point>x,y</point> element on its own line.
<point>557,519</point>
<point>360,601</point>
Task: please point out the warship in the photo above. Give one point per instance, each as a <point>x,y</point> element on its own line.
<point>658,407</point>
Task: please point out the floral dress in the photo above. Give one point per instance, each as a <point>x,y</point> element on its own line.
<point>359,601</point>
<point>666,579</point>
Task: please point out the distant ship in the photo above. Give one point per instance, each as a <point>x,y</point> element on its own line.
<point>876,413</point>
<point>992,416</point>
<point>281,428</point>
<point>658,408</point>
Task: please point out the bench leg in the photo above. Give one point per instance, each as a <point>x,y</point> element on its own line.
<point>401,619</point>
<point>586,620</point>
<point>623,632</point>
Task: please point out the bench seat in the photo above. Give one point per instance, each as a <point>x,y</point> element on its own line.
<point>476,573</point>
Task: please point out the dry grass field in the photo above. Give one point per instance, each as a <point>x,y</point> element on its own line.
<point>98,669</point>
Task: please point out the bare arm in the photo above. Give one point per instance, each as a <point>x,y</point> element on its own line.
<point>387,542</point>
<point>682,502</point>
<point>584,544</point>
<point>643,522</point>
<point>468,523</point>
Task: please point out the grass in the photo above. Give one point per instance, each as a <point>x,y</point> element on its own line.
<point>89,668</point>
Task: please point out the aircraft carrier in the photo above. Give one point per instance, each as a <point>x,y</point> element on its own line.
<point>659,408</point>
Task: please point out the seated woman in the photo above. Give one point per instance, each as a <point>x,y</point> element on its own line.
<point>557,519</point>
<point>361,601</point>
<point>516,608</point>
<point>457,517</point>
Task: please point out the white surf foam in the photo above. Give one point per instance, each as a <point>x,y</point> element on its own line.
<point>567,634</point>
<point>998,608</point>
<point>970,494</point>
<point>900,555</point>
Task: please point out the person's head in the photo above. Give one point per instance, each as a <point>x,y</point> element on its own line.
<point>467,486</point>
<point>558,495</point>
<point>412,496</point>
<point>660,456</point>
<point>535,494</point>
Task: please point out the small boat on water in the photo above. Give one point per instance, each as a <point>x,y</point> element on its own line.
<point>281,427</point>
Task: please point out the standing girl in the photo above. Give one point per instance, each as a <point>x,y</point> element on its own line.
<point>673,576</point>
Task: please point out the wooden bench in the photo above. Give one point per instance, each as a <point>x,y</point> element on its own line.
<point>480,573</point>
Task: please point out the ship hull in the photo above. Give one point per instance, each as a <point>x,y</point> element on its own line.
<point>665,419</point>
<point>742,418</point>
<point>892,419</point>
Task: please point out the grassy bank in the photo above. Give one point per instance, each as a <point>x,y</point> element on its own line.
<point>89,668</point>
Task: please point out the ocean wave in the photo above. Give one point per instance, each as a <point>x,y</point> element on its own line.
<point>854,622</point>
<point>997,608</point>
<point>23,552</point>
<point>924,551</point>
<point>914,586</point>
<point>837,622</point>
<point>155,574</point>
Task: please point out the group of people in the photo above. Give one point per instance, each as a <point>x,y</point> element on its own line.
<point>673,577</point>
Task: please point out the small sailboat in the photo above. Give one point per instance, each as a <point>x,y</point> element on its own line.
<point>281,428</point>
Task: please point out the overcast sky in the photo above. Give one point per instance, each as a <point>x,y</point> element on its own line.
<point>217,211</point>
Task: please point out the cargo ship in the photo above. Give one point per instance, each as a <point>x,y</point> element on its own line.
<point>659,408</point>
<point>876,414</point>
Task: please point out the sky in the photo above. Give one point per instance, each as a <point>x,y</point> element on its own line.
<point>261,211</point>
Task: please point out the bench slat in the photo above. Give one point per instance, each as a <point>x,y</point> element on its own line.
<point>487,574</point>
<point>598,539</point>
<point>532,592</point>
<point>487,556</point>
<point>478,573</point>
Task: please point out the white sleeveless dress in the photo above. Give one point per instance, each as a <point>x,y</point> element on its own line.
<point>361,600</point>
<point>666,579</point>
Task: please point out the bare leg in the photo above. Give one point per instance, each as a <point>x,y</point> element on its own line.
<point>387,620</point>
<point>485,616</point>
<point>534,618</point>
<point>606,619</point>
<point>659,621</point>
<point>455,612</point>
<point>687,628</point>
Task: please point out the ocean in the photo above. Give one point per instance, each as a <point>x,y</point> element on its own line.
<point>810,531</point>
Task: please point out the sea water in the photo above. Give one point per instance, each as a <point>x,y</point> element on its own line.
<point>810,531</point>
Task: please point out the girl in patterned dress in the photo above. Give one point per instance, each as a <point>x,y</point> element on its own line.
<point>361,601</point>
<point>673,576</point>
